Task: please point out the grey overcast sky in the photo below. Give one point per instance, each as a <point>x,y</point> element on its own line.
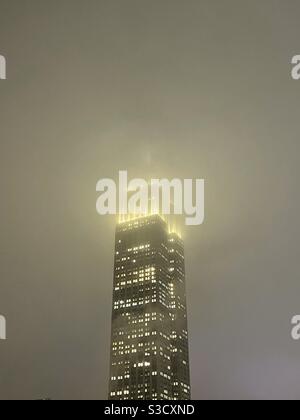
<point>164,88</point>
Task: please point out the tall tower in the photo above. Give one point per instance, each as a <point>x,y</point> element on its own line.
<point>149,342</point>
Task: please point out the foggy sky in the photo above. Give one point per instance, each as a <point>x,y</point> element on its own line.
<point>163,88</point>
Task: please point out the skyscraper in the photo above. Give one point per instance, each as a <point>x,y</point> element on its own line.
<point>149,348</point>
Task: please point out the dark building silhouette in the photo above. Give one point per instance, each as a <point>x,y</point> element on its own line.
<point>149,344</point>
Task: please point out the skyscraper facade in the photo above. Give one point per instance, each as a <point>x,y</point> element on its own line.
<point>149,342</point>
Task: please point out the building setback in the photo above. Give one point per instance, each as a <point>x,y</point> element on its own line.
<point>149,341</point>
